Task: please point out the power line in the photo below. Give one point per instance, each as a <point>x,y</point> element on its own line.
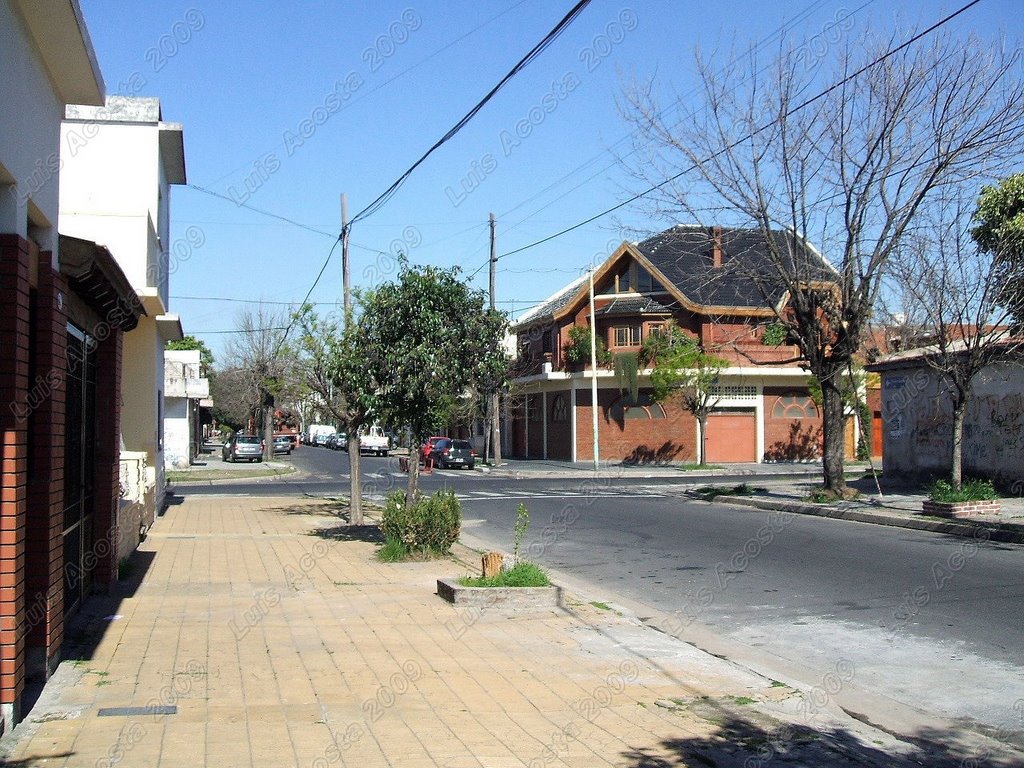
<point>549,38</point>
<point>753,133</point>
<point>253,208</point>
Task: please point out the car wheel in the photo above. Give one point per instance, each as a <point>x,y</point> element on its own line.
<point>469,466</point>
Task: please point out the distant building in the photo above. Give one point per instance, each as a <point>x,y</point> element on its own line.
<point>918,414</point>
<point>697,278</point>
<point>184,390</point>
<point>120,161</point>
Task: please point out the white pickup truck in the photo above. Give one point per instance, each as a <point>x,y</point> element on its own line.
<point>373,440</point>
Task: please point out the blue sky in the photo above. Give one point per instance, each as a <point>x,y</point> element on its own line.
<point>377,85</point>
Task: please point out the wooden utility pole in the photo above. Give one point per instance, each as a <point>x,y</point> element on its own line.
<point>495,399</point>
<point>355,516</point>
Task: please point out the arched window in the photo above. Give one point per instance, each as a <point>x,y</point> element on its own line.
<point>795,406</point>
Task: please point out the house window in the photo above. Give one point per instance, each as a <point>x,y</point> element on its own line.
<point>627,335</point>
<point>655,329</point>
<point>795,407</point>
<point>644,281</point>
<point>559,410</point>
<point>548,340</point>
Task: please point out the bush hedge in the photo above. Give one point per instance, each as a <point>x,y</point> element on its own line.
<point>427,525</point>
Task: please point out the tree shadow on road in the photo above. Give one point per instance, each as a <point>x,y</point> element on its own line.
<point>740,742</point>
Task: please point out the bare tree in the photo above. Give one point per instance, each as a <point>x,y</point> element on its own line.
<point>265,366</point>
<point>951,291</point>
<point>847,166</point>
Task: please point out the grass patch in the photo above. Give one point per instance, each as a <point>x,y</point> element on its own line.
<point>602,606</point>
<point>710,492</point>
<point>396,551</point>
<point>971,490</point>
<point>777,684</point>
<point>523,574</point>
<point>744,700</point>
<point>821,495</point>
<point>184,476</point>
<point>697,467</point>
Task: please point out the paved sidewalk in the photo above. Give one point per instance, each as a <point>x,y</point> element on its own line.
<point>263,632</point>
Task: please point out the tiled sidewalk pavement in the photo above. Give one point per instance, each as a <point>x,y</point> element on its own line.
<point>281,641</point>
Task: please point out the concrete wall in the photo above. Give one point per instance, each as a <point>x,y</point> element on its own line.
<point>917,412</point>
<point>29,136</point>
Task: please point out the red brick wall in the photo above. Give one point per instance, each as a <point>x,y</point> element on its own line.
<point>642,440</point>
<point>15,258</point>
<point>45,549</point>
<point>790,439</point>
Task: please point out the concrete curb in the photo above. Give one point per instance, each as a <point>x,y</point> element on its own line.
<point>1010,533</point>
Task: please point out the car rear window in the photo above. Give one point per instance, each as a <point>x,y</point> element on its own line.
<point>462,444</point>
<point>248,439</point>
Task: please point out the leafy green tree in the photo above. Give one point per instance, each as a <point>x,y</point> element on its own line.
<point>334,364</point>
<point>428,342</point>
<point>191,343</point>
<point>683,371</point>
<point>999,232</point>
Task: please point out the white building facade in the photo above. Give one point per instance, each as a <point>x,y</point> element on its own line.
<point>120,162</point>
<point>184,389</point>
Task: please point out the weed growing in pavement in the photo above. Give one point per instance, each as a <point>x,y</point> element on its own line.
<point>710,492</point>
<point>601,606</point>
<point>522,574</point>
<point>522,525</point>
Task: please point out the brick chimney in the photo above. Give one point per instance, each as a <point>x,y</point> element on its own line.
<point>716,246</point>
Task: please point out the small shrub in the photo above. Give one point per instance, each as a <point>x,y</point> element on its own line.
<point>428,525</point>
<point>523,574</point>
<point>972,490</point>
<point>392,551</point>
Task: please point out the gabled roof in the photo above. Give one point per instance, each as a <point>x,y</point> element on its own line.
<point>682,260</point>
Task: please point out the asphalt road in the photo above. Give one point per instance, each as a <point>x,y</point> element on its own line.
<point>907,629</point>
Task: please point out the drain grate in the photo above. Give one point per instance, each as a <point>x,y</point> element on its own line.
<point>133,711</point>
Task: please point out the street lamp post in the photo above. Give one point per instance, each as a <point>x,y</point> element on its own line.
<point>593,370</point>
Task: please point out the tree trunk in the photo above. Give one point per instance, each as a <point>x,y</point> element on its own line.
<point>414,474</point>
<point>702,433</point>
<point>268,428</point>
<point>833,423</point>
<point>355,484</point>
<point>956,474</point>
<point>496,428</point>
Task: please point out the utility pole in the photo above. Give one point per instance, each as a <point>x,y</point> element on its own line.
<point>346,273</point>
<point>593,371</point>
<point>495,400</point>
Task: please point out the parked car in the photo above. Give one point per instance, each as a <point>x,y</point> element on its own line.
<point>331,441</point>
<point>428,446</point>
<point>453,453</point>
<point>283,444</point>
<point>246,447</point>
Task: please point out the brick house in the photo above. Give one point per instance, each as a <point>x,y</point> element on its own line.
<point>64,308</point>
<point>700,279</point>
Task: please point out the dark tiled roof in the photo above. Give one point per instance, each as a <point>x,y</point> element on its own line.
<point>746,278</point>
<point>638,305</point>
<point>684,255</point>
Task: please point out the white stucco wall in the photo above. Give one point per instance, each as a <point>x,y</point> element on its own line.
<point>29,135</point>
<point>918,424</point>
<point>110,192</point>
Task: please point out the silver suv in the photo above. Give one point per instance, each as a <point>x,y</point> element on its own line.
<point>247,447</point>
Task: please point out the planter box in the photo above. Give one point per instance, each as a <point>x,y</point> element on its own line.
<point>961,508</point>
<point>518,598</point>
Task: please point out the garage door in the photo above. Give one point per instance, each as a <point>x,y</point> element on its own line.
<point>732,437</point>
